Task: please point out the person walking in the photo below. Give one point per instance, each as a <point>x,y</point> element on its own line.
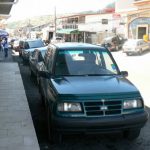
<point>5,45</point>
<point>1,45</point>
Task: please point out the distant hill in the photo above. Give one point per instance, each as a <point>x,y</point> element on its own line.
<point>39,20</point>
<point>34,21</point>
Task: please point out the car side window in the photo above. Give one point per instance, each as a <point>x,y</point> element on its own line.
<point>49,58</point>
<point>40,58</point>
<point>26,45</point>
<point>33,54</point>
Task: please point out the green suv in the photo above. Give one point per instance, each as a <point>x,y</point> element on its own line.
<point>85,92</point>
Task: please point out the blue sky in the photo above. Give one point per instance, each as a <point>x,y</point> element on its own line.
<point>29,8</point>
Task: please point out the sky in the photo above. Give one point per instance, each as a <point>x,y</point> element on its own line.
<point>30,8</point>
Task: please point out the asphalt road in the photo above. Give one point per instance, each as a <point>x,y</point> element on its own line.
<point>139,73</point>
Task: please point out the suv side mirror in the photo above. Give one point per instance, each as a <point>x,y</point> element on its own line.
<point>124,73</point>
<point>44,74</point>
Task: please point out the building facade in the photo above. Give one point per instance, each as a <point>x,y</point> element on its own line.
<point>89,28</point>
<point>137,13</point>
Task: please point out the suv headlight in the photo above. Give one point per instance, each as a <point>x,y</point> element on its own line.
<point>69,107</point>
<point>129,104</point>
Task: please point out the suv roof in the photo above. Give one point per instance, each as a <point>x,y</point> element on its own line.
<point>32,40</point>
<point>74,45</point>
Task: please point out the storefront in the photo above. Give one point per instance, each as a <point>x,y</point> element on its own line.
<point>139,27</point>
<point>139,20</point>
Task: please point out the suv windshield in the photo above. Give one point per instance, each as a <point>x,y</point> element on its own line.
<point>84,62</point>
<point>35,44</point>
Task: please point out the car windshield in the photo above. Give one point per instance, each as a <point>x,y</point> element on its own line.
<point>84,62</point>
<point>35,44</point>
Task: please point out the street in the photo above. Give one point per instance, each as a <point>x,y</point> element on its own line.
<point>137,67</point>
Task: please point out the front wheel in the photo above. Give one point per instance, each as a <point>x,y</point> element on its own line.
<point>140,52</point>
<point>31,74</point>
<point>132,134</point>
<point>128,54</point>
<point>53,136</point>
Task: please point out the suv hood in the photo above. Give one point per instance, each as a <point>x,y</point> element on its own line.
<point>93,85</point>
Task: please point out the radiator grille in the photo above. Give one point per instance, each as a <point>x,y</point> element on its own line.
<point>103,108</point>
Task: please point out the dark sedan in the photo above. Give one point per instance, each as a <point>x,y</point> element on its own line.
<point>35,61</point>
<point>29,46</point>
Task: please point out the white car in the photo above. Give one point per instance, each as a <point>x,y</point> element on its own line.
<point>57,40</point>
<point>135,46</point>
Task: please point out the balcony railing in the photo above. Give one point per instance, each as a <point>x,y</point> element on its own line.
<point>70,26</point>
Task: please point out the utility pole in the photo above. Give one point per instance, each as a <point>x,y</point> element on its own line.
<point>55,24</point>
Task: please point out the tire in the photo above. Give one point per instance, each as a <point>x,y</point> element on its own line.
<point>37,79</point>
<point>42,97</point>
<point>128,54</point>
<point>53,136</point>
<point>140,52</point>
<point>32,74</point>
<point>132,134</point>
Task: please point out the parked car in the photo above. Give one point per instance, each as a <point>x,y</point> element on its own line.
<point>135,46</point>
<point>85,92</point>
<point>29,45</point>
<point>113,43</point>
<point>35,60</point>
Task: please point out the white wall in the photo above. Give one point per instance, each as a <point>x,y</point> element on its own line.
<point>93,23</point>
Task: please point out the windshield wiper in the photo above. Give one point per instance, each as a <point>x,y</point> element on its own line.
<point>99,74</point>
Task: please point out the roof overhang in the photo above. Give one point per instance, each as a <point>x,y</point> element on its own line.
<point>5,8</point>
<point>68,31</point>
<point>142,2</point>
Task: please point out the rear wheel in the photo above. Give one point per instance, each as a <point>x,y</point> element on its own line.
<point>31,73</point>
<point>132,134</point>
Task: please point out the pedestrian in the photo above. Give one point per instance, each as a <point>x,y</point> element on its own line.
<point>5,45</point>
<point>1,45</point>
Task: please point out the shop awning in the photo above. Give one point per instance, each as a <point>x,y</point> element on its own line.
<point>68,31</point>
<point>3,33</point>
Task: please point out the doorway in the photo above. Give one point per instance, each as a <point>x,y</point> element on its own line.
<point>141,31</point>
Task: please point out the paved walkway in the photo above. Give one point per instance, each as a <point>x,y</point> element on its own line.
<point>16,126</point>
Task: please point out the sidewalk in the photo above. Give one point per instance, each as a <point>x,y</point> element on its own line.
<point>16,126</point>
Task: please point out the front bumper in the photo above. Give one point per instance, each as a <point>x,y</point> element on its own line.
<point>100,124</point>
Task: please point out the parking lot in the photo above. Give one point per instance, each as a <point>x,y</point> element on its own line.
<point>137,67</point>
